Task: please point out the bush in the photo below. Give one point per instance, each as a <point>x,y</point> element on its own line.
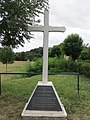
<point>35,66</point>
<point>54,65</point>
<point>84,68</point>
<point>61,65</point>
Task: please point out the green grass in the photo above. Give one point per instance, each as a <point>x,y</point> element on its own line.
<point>17,90</point>
<point>16,66</point>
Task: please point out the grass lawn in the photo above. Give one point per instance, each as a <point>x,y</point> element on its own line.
<point>16,91</point>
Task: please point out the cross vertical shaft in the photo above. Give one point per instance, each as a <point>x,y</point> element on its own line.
<point>45,47</point>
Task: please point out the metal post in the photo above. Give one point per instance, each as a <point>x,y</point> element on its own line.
<point>0,84</point>
<point>78,86</point>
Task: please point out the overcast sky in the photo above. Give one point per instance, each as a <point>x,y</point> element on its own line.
<point>73,14</point>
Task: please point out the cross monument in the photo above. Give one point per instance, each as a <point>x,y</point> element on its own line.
<point>45,29</point>
<point>44,102</point>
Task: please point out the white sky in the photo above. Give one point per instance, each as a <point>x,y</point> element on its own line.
<point>73,14</point>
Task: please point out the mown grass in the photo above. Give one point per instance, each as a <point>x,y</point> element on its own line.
<point>17,66</point>
<point>17,90</point>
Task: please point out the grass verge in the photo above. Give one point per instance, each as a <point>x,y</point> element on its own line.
<point>17,90</point>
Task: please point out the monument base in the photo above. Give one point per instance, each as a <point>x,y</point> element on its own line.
<point>43,118</point>
<point>44,104</point>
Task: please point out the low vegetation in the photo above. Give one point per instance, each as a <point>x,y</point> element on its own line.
<point>17,90</point>
<point>84,68</point>
<point>61,65</point>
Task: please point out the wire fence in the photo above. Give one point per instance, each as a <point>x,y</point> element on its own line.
<point>33,73</point>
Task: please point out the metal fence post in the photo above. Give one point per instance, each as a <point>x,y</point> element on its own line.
<point>0,84</point>
<point>78,86</point>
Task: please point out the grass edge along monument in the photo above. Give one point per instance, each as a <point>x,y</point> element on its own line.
<point>44,102</point>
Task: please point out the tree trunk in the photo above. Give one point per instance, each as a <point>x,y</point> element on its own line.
<point>6,67</point>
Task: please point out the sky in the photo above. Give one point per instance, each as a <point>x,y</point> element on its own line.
<point>73,14</point>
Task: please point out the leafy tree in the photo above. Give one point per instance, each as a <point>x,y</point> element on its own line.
<point>85,54</point>
<point>15,16</point>
<point>6,56</point>
<point>37,52</point>
<point>72,46</point>
<point>17,56</point>
<point>29,55</point>
<point>34,54</point>
<point>55,51</point>
<point>22,56</point>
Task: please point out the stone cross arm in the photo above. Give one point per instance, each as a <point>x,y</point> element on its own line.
<point>56,29</point>
<point>35,28</point>
<point>41,28</point>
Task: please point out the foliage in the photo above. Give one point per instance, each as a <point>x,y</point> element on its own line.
<point>29,55</point>
<point>72,46</point>
<point>84,68</point>
<point>35,66</point>
<point>62,65</point>
<point>20,56</point>
<point>15,16</point>
<point>85,54</point>
<point>54,65</point>
<point>34,54</point>
<point>55,51</point>
<point>6,55</point>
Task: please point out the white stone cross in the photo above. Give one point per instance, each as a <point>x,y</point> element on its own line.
<point>45,29</point>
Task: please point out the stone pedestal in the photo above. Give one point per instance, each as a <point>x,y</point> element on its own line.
<point>44,104</point>
<point>43,118</point>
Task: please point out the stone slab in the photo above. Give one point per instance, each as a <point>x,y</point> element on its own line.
<point>40,108</point>
<point>44,99</point>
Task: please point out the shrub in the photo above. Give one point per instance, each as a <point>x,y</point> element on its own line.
<point>61,65</point>
<point>35,66</point>
<point>84,68</point>
<point>54,65</point>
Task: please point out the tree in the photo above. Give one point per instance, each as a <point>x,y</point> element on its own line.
<point>34,53</point>
<point>22,56</point>
<point>72,46</point>
<point>85,54</point>
<point>15,16</point>
<point>6,56</point>
<point>55,51</point>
